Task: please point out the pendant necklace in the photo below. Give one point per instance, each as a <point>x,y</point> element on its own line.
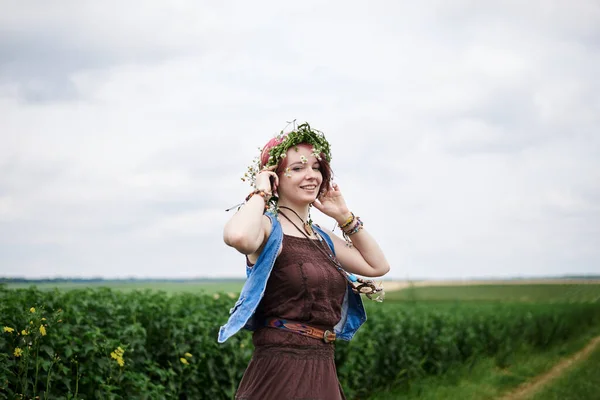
<point>307,225</point>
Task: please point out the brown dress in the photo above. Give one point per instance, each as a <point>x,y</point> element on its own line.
<point>304,286</point>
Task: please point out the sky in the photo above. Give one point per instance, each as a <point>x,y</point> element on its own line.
<point>465,134</point>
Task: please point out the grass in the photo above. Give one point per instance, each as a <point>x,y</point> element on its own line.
<point>581,382</point>
<point>210,287</point>
<point>506,293</point>
<point>483,379</point>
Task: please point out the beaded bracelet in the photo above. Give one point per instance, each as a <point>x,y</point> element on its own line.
<point>266,197</point>
<point>355,228</point>
<point>348,221</point>
<point>350,232</point>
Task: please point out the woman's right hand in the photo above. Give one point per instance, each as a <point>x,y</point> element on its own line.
<point>267,180</point>
<point>248,229</point>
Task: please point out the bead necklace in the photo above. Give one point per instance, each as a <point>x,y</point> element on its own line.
<point>307,225</point>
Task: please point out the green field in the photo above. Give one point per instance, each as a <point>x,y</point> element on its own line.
<point>548,292</point>
<point>558,293</point>
<point>209,287</point>
<point>482,379</point>
<point>422,342</point>
<point>580,382</point>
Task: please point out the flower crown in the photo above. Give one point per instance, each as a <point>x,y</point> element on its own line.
<point>302,134</point>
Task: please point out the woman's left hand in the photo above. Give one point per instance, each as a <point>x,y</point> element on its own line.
<point>332,204</point>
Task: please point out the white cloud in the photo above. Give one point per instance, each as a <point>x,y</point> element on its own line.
<point>463,133</point>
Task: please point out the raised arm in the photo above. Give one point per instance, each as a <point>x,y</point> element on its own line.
<point>249,228</point>
<point>365,257</point>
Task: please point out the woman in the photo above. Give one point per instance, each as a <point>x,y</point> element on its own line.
<point>301,293</point>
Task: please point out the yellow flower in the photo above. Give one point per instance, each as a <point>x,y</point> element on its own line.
<point>117,355</point>
<point>184,361</point>
<point>188,355</point>
<point>8,329</point>
<point>43,319</point>
<point>32,310</point>
<point>24,332</point>
<point>42,330</point>
<point>216,296</point>
<point>18,352</point>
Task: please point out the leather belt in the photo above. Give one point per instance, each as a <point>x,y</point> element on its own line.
<point>326,335</point>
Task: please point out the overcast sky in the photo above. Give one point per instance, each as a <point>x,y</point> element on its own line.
<point>466,134</point>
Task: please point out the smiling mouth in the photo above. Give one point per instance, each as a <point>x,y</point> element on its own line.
<point>309,187</point>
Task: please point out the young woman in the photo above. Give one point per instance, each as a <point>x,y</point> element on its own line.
<point>301,293</point>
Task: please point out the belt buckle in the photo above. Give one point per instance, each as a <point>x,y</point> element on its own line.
<point>326,335</point>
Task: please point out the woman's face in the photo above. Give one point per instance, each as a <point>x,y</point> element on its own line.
<point>301,180</point>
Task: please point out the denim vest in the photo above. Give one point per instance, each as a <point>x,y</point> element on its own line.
<point>242,313</point>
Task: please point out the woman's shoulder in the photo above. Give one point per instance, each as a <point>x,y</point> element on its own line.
<point>323,231</point>
<point>327,235</point>
<point>269,221</point>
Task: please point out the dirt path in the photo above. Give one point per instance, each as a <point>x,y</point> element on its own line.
<point>529,388</point>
